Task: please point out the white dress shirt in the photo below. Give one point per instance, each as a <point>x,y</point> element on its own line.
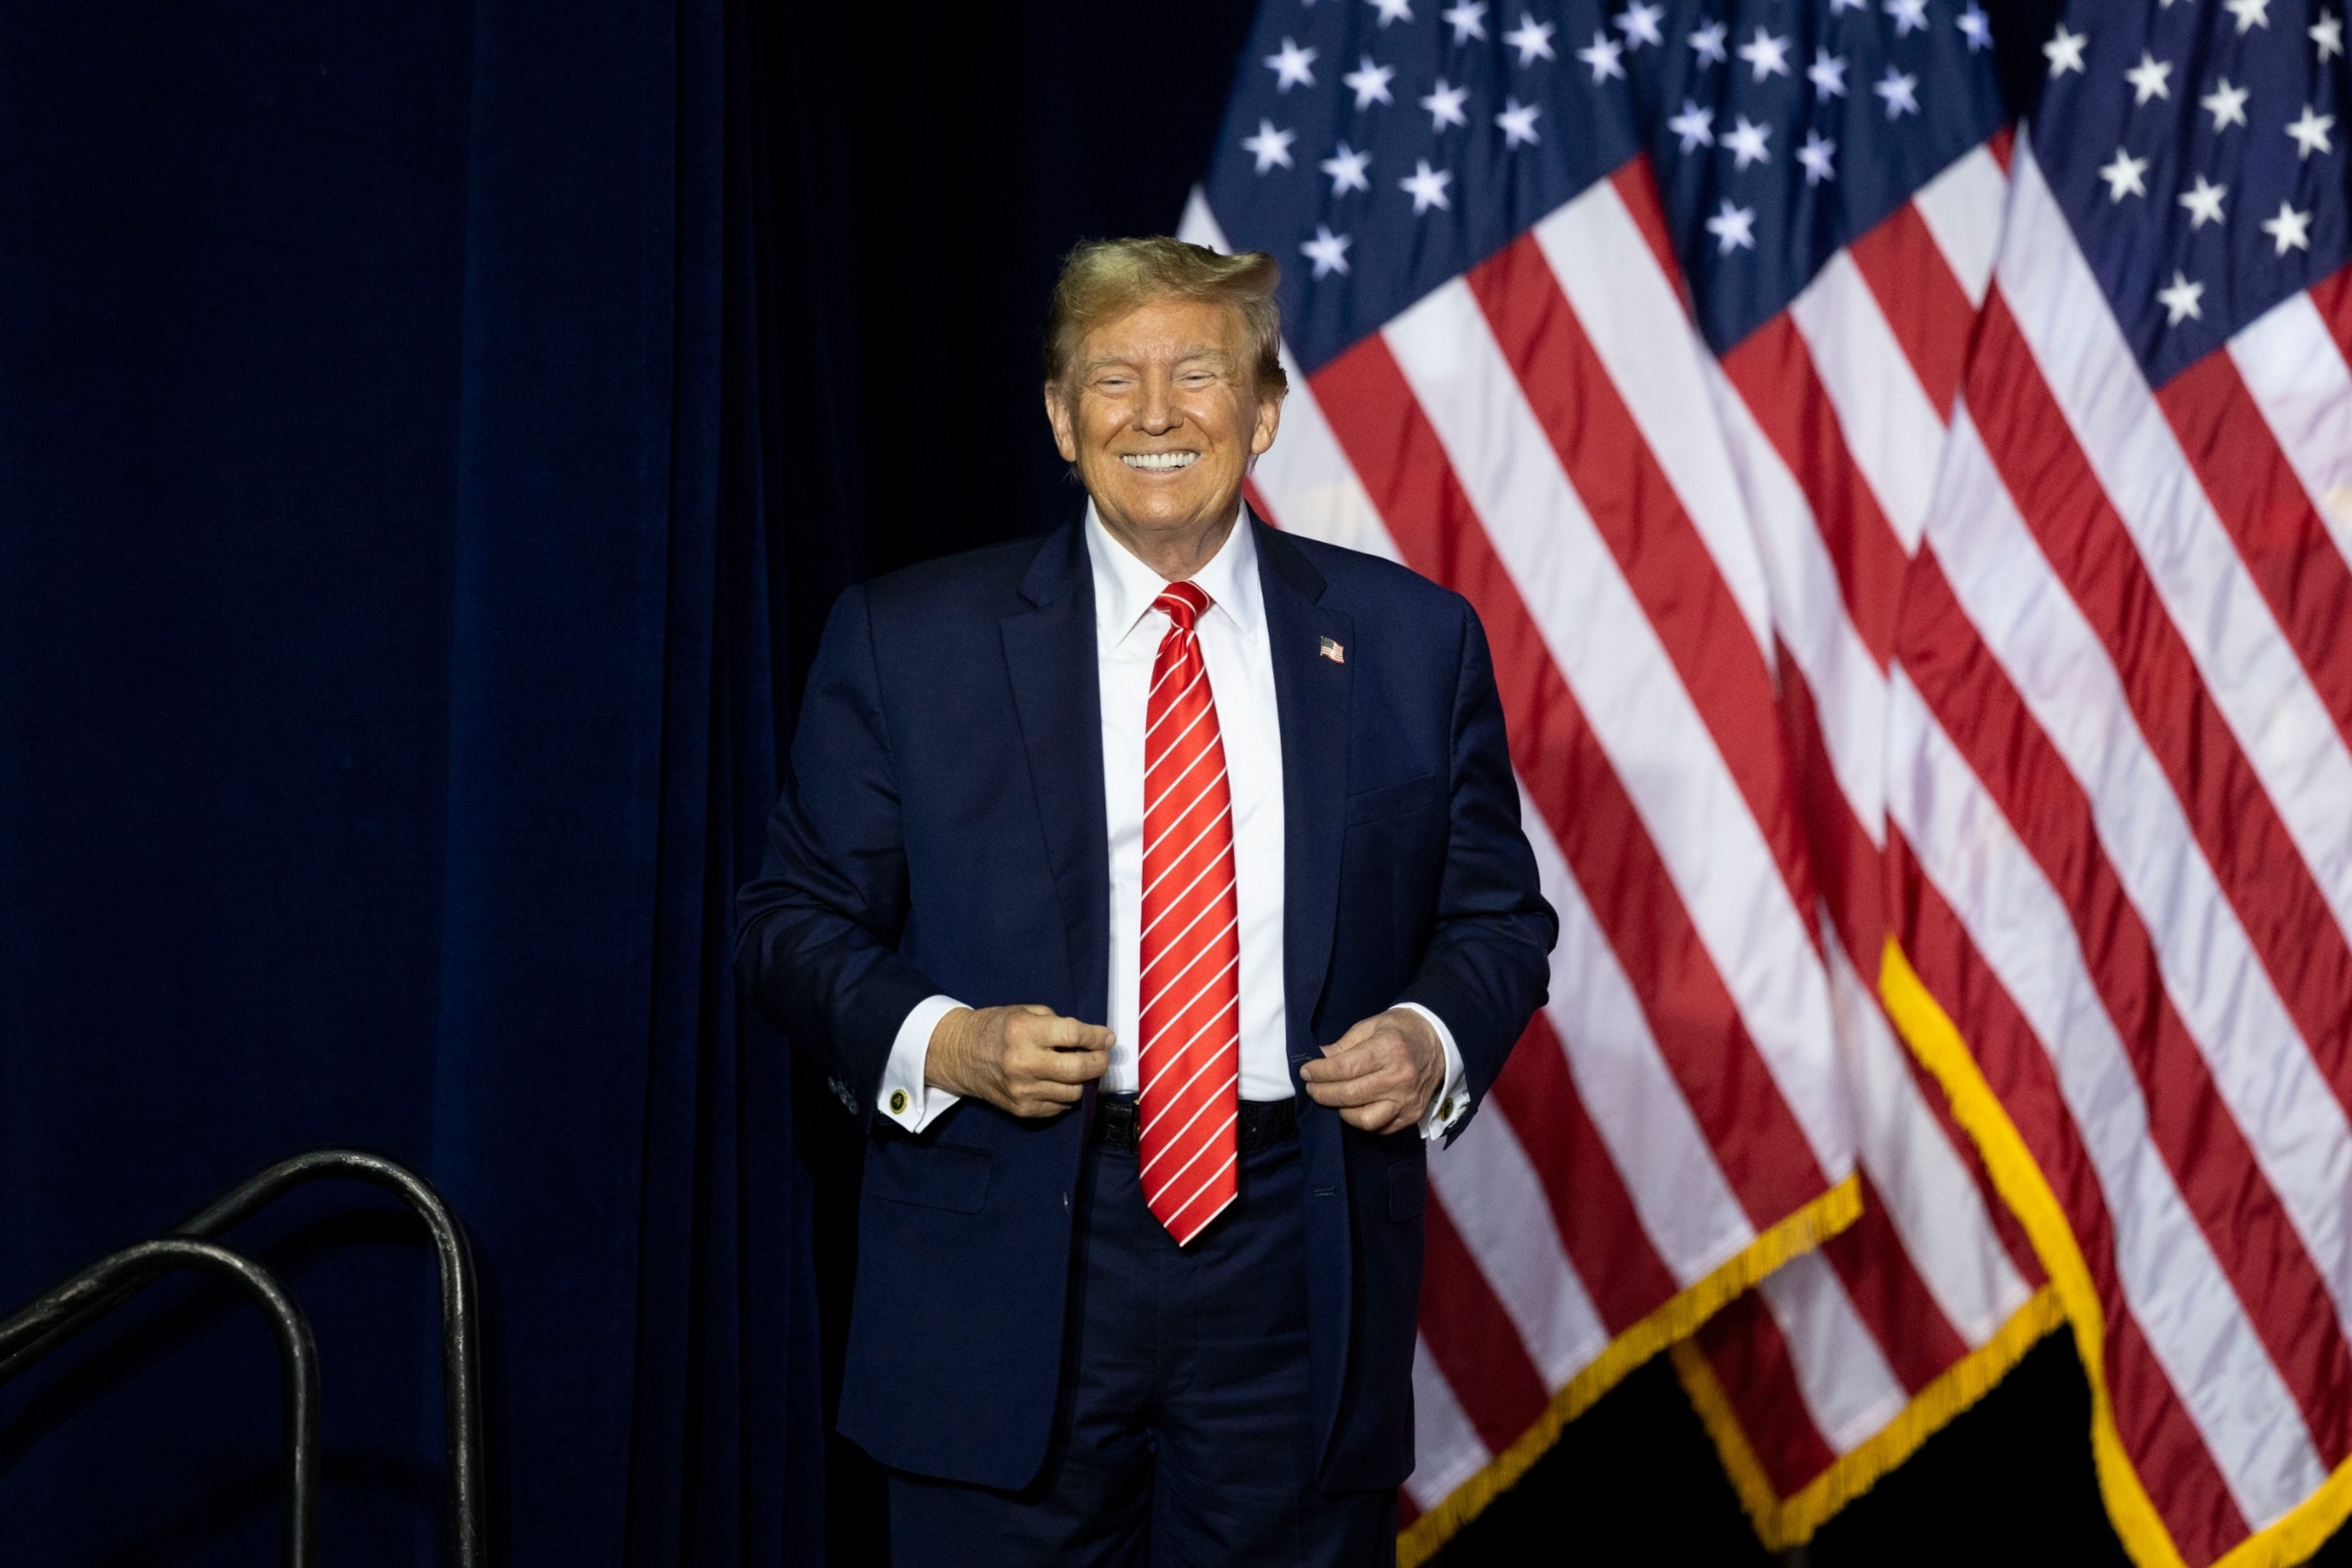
<point>1233,637</point>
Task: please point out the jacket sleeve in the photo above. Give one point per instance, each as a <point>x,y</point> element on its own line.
<point>816,942</point>
<point>1487,964</point>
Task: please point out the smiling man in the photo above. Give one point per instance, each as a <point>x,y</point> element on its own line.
<point>1154,892</point>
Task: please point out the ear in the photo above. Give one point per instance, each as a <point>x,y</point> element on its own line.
<point>1062,418</point>
<point>1269,420</point>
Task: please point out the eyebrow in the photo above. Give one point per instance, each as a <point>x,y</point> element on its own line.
<point>1197,352</point>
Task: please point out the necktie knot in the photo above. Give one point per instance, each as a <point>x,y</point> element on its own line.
<point>1181,603</point>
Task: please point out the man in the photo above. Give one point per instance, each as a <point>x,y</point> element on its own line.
<point>1154,891</point>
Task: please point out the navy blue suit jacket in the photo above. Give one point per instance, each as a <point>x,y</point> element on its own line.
<point>941,830</point>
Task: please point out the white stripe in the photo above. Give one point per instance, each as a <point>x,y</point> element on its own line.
<point>1609,652</point>
<point>1497,1203</point>
<point>1962,208</point>
<point>1447,1448</point>
<point>1843,1376</point>
<point>2298,379</point>
<point>1929,1193</point>
<point>1198,992</point>
<point>1305,479</point>
<point>1890,429</point>
<point>2251,672</point>
<point>1644,339</point>
<point>1214,1103</point>
<point>1687,1209</point>
<point>1809,609</point>
<point>2264,1072</point>
<point>1165,871</point>
<point>2173,1284</point>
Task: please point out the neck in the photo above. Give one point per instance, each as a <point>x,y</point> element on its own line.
<point>1176,553</point>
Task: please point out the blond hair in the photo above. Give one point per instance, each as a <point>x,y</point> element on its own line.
<point>1103,280</point>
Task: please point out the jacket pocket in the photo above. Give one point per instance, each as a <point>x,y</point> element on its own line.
<point>1393,800</point>
<point>935,1176</point>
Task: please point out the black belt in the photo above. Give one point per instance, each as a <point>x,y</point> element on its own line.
<point>1118,1122</point>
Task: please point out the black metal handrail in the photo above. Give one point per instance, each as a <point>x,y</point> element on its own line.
<point>32,1333</point>
<point>80,1301</point>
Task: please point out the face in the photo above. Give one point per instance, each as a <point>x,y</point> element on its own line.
<point>1164,418</point>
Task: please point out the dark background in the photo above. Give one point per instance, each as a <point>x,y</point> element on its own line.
<point>430,434</point>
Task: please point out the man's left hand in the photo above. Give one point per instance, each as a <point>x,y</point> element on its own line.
<point>1380,1075</point>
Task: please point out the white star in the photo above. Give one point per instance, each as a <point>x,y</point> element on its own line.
<point>1639,22</point>
<point>1427,187</point>
<point>2064,51</point>
<point>1733,228</point>
<point>2310,133</point>
<point>1294,66</point>
<point>1371,83</point>
<point>2148,78</point>
<point>1900,92</point>
<point>1271,146</point>
<point>2225,103</point>
<point>1816,155</point>
<point>1745,143</point>
<point>1910,16</point>
<point>2203,201</point>
<point>2291,228</point>
<point>1768,54</point>
<point>1695,125</point>
<point>1329,251</point>
<point>1444,106</point>
<point>2328,34</point>
<point>1518,124</point>
<point>1602,57</point>
<point>1468,20</point>
<point>1708,44</point>
<point>1346,166</point>
<point>1532,40</point>
<point>1975,27</point>
<point>2249,13</point>
<point>2123,176</point>
<point>1840,7</point>
<point>1392,10</point>
<point>1827,73</point>
<point>2179,300</point>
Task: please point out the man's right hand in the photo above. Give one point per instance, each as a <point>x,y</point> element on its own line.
<point>1028,1060</point>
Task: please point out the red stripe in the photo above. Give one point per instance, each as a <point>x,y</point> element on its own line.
<point>2261,500</point>
<point>1473,1342</point>
<point>2239,1212</point>
<point>1999,144</point>
<point>1756,1139</point>
<point>1634,509</point>
<point>1775,375</point>
<point>2294,933</point>
<point>2163,1442</point>
<point>1637,187</point>
<point>1923,301</point>
<point>1598,1227</point>
<point>1845,862</point>
<point>1751,1360</point>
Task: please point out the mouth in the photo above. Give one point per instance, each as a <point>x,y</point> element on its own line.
<point>1159,462</point>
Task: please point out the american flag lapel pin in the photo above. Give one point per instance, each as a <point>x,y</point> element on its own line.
<point>1334,652</point>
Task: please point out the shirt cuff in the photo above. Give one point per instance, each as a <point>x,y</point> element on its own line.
<point>904,1097</point>
<point>1453,1102</point>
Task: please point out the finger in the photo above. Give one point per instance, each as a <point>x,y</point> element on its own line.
<point>1353,1092</point>
<point>1377,1054</point>
<point>1037,1100</point>
<point>1067,1066</point>
<point>1055,1033</point>
<point>1374,1118</point>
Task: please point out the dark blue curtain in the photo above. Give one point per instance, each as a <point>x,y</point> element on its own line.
<point>410,503</point>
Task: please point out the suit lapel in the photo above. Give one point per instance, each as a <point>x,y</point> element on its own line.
<point>1049,653</point>
<point>1311,692</point>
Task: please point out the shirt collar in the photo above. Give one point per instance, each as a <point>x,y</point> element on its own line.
<point>1125,587</point>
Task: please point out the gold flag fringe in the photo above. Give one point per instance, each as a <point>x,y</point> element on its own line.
<point>1800,1232</point>
<point>1935,1040</point>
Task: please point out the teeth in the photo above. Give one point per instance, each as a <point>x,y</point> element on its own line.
<point>1159,462</point>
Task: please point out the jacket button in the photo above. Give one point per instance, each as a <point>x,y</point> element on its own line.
<point>897,1103</point>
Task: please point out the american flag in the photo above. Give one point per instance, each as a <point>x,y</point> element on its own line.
<point>2119,786</point>
<point>1642,326</point>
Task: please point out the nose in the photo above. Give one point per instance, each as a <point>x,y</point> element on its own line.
<point>1155,414</point>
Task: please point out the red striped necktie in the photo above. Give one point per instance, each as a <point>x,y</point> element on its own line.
<point>1189,1052</point>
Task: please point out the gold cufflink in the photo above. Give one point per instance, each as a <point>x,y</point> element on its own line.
<point>897,1103</point>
